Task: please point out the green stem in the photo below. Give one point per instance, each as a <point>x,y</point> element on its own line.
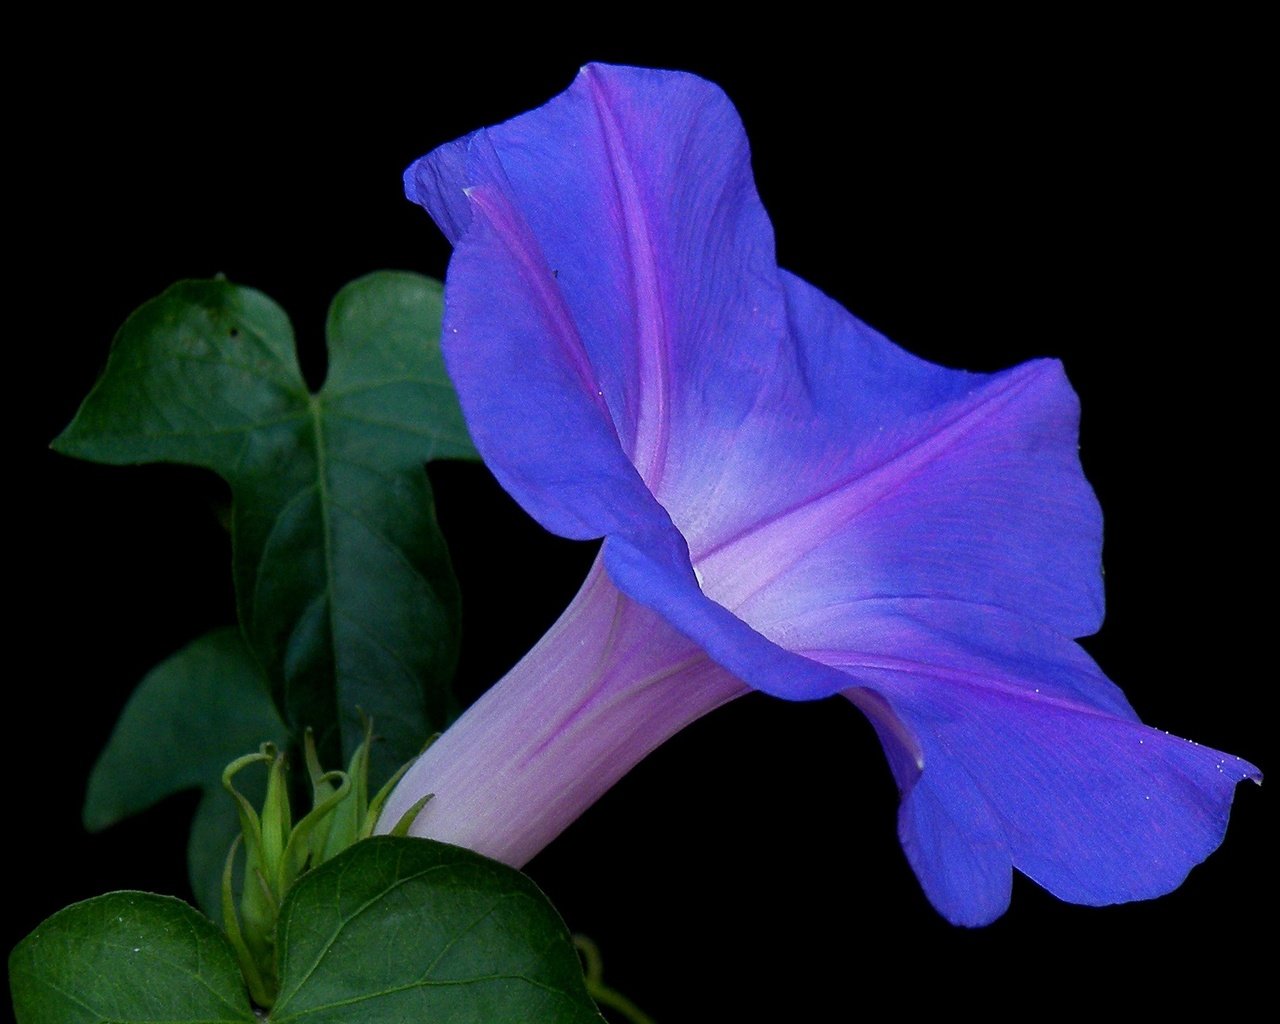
<point>606,996</point>
<point>593,970</point>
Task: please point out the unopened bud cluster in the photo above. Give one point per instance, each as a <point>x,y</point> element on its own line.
<point>278,852</point>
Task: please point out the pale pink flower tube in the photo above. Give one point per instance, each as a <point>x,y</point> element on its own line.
<point>608,683</point>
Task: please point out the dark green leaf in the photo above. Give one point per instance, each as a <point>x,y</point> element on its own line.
<point>127,956</point>
<point>343,582</point>
<point>192,715</point>
<point>400,930</point>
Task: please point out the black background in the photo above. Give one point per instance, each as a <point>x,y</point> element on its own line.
<point>983,193</point>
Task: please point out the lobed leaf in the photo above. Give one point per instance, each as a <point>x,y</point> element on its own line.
<point>343,583</point>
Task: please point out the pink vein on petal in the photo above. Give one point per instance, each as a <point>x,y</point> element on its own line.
<point>749,561</point>
<point>514,234</point>
<point>653,372</point>
<point>850,661</point>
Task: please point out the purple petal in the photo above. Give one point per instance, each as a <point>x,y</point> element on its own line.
<point>919,482</point>
<point>905,479</point>
<point>526,384</point>
<point>560,337</point>
<point>1022,754</point>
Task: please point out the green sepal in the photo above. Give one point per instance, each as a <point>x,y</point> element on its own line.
<point>401,827</point>
<point>321,789</point>
<point>277,822</point>
<point>258,989</point>
<point>378,802</point>
<point>384,794</point>
<point>300,849</point>
<point>344,828</point>
<point>259,901</point>
<point>250,823</point>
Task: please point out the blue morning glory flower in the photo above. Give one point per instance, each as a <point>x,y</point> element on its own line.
<point>789,502</point>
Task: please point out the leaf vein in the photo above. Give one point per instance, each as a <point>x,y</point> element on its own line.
<point>382,893</point>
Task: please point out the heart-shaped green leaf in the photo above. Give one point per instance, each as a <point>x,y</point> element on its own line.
<point>127,956</point>
<point>343,583</point>
<point>398,930</point>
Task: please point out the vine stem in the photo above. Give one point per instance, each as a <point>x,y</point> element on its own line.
<point>593,969</point>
